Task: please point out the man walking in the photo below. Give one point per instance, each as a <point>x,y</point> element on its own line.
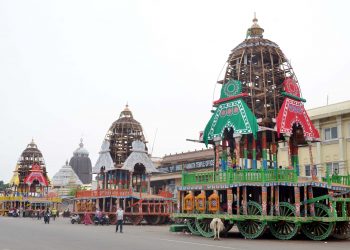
<point>120,217</point>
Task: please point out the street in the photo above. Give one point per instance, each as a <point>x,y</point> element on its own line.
<point>27,233</point>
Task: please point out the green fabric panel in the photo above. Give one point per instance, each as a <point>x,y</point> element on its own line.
<point>232,114</point>
<point>231,88</point>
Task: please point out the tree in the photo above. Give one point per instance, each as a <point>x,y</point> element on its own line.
<point>3,186</point>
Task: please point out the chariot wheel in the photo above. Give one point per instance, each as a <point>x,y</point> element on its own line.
<point>228,226</point>
<point>162,220</point>
<point>203,227</point>
<point>191,224</point>
<point>284,230</point>
<point>319,230</point>
<point>135,219</point>
<point>152,219</point>
<point>252,229</point>
<point>342,230</point>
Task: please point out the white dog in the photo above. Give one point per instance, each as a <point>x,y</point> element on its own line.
<point>217,225</point>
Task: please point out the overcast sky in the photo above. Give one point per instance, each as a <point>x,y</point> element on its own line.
<point>67,68</point>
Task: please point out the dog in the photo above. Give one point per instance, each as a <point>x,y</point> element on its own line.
<point>217,226</point>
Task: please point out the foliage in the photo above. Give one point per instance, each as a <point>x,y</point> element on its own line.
<point>73,191</point>
<point>3,186</point>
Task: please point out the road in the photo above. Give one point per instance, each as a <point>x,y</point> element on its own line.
<point>32,234</point>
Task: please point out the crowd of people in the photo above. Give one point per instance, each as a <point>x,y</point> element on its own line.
<point>36,213</point>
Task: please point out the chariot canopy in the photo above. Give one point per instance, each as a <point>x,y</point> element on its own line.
<point>36,174</point>
<point>231,112</point>
<point>104,160</point>
<point>139,156</point>
<point>293,112</point>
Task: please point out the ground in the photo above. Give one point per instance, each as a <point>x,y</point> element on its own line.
<point>28,234</point>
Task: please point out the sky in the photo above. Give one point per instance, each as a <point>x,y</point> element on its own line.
<point>67,68</point>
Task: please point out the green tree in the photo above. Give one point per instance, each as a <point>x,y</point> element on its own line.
<point>3,186</point>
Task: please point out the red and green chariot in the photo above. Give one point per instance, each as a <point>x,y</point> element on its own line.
<point>259,110</point>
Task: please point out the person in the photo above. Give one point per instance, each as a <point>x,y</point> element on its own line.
<point>54,213</point>
<point>47,216</point>
<point>120,217</point>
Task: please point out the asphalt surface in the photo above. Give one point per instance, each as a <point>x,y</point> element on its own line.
<point>28,234</point>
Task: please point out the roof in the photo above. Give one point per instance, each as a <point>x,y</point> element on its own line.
<point>36,174</point>
<point>335,109</point>
<point>139,156</point>
<point>81,151</point>
<point>66,177</point>
<point>104,160</point>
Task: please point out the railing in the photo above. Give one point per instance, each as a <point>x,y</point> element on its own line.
<point>30,199</point>
<point>165,194</point>
<point>338,179</point>
<point>232,176</point>
<point>102,192</point>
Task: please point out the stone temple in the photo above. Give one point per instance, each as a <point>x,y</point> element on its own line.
<point>81,164</point>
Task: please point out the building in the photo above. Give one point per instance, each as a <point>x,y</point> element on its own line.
<point>81,164</point>
<point>171,167</point>
<point>333,151</point>
<point>65,180</point>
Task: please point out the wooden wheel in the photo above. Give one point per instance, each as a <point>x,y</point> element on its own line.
<point>252,229</point>
<point>135,219</point>
<point>284,230</point>
<point>191,224</point>
<point>152,219</point>
<point>203,227</point>
<point>342,230</point>
<point>228,226</point>
<point>162,220</point>
<point>319,230</point>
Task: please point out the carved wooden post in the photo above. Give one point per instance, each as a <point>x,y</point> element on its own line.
<point>238,197</point>
<point>238,149</point>
<point>312,205</point>
<point>297,200</point>
<point>264,200</point>
<point>229,200</point>
<point>272,200</point>
<point>254,163</point>
<point>264,150</point>
<point>277,200</point>
<point>244,201</point>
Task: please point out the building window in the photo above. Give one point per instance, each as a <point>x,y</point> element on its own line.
<point>307,170</point>
<point>330,133</point>
<point>333,168</point>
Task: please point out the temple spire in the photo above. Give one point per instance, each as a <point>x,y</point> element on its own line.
<point>255,31</point>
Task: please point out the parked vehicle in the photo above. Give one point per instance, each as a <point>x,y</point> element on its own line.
<point>75,218</point>
<point>104,220</point>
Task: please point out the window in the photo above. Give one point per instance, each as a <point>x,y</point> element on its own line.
<point>330,133</point>
<point>333,167</point>
<point>308,170</point>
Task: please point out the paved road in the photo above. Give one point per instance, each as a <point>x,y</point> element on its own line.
<point>28,234</point>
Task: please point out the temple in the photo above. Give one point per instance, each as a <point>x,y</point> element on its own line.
<point>81,164</point>
<point>65,180</point>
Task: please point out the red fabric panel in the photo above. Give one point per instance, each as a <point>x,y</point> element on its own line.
<point>293,112</point>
